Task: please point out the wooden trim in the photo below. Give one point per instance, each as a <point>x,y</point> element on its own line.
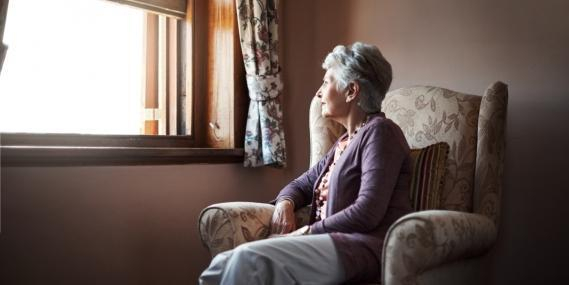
<point>163,82</point>
<point>173,8</point>
<point>240,93</point>
<point>73,140</point>
<point>199,41</point>
<point>77,156</point>
<point>151,61</point>
<point>172,77</point>
<point>20,149</point>
<point>224,74</point>
<point>151,127</point>
<point>184,95</point>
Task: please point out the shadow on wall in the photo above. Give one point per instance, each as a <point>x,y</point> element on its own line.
<point>305,43</point>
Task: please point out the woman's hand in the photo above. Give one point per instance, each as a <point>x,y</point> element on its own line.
<point>299,232</point>
<point>283,220</point>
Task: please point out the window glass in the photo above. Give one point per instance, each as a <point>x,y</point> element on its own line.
<point>72,66</point>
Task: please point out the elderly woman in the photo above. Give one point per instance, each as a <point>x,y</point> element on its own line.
<point>356,191</point>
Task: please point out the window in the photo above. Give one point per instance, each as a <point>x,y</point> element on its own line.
<point>72,72</point>
<point>129,73</point>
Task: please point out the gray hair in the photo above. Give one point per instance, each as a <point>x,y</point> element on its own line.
<point>365,64</point>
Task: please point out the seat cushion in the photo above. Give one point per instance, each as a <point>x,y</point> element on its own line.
<point>427,182</point>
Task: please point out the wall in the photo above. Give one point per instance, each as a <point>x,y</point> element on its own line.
<point>138,224</point>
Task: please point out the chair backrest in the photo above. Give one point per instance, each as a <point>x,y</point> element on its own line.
<point>472,125</point>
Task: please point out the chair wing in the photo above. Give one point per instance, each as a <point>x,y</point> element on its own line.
<point>429,115</point>
<point>488,181</point>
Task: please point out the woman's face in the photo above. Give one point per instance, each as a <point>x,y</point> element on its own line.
<point>334,103</point>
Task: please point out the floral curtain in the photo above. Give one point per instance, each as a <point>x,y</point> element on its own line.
<point>264,134</point>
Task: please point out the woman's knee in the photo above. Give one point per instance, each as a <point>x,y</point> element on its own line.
<point>249,255</point>
<point>241,249</point>
<point>251,248</point>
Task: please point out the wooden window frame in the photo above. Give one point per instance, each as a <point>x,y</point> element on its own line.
<point>208,138</point>
<point>3,47</point>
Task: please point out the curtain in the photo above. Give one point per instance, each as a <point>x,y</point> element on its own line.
<point>264,134</point>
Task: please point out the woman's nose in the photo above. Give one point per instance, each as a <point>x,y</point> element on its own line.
<point>319,94</point>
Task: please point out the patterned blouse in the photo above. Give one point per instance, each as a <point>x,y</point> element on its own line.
<point>322,189</point>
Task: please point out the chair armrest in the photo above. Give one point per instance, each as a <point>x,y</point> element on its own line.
<point>226,225</point>
<point>423,240</point>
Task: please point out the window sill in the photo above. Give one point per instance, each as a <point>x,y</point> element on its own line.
<point>85,155</point>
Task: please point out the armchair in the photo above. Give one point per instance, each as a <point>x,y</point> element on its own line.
<point>438,246</point>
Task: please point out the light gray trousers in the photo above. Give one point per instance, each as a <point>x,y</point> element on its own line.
<point>309,259</point>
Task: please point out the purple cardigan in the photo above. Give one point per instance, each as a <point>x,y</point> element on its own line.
<point>368,191</point>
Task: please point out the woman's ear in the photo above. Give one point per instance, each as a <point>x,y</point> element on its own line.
<point>352,91</point>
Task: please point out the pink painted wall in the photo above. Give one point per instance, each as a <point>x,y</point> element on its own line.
<point>137,225</point>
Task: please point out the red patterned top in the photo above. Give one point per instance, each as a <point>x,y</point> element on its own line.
<point>322,189</point>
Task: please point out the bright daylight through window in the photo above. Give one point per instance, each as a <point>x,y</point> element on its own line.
<point>73,67</point>
<point>112,82</point>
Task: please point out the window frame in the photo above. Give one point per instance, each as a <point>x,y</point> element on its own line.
<point>32,149</point>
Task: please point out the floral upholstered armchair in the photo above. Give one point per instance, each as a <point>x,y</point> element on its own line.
<point>443,245</point>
